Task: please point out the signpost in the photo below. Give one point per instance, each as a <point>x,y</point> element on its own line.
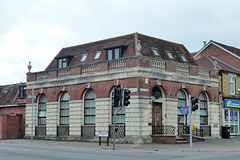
<point>32,97</point>
<point>190,120</point>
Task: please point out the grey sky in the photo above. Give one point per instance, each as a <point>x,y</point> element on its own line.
<point>36,30</point>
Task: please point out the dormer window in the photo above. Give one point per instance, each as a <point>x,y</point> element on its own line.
<point>22,92</point>
<point>170,56</point>
<point>98,54</point>
<point>84,57</point>
<point>183,57</point>
<point>62,62</point>
<point>113,53</point>
<point>155,52</point>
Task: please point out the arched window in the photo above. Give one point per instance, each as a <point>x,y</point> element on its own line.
<point>203,109</point>
<point>89,108</point>
<point>64,109</point>
<point>182,101</point>
<point>120,116</point>
<point>42,110</point>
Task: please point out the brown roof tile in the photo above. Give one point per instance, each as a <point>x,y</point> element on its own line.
<point>9,95</point>
<point>128,40</point>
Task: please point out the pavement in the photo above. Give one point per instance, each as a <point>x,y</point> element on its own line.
<point>209,145</point>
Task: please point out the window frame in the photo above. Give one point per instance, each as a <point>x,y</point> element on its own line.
<point>97,55</point>
<point>42,110</point>
<point>179,106</point>
<point>184,59</point>
<point>155,52</point>
<point>170,55</point>
<point>232,84</point>
<point>22,92</point>
<point>84,57</point>
<point>86,99</point>
<point>62,101</point>
<point>205,108</point>
<point>113,53</point>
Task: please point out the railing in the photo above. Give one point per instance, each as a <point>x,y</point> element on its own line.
<point>120,131</point>
<point>163,130</point>
<point>63,73</point>
<point>183,129</point>
<point>206,131</point>
<point>180,68</point>
<point>158,65</point>
<point>40,130</point>
<point>117,65</point>
<point>62,130</point>
<point>89,69</point>
<point>87,131</point>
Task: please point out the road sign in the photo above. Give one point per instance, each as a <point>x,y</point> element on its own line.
<point>31,97</point>
<point>184,110</point>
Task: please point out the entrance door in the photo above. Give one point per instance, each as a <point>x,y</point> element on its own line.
<point>232,120</point>
<point>157,118</point>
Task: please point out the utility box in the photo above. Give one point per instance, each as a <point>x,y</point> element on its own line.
<point>225,132</point>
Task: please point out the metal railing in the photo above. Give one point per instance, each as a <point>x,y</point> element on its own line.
<point>88,131</point>
<point>62,130</point>
<point>40,130</point>
<point>120,131</point>
<point>204,131</point>
<point>163,130</point>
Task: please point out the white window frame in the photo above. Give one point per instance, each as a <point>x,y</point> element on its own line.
<point>232,84</point>
<point>84,57</point>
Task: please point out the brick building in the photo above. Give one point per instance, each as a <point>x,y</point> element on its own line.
<point>12,111</point>
<point>74,93</point>
<point>226,60</point>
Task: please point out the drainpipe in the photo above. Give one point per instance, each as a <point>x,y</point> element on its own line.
<point>222,99</point>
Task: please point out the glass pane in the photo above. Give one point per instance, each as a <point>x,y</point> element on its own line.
<point>64,64</point>
<point>180,119</point>
<point>43,99</point>
<point>64,105</point>
<point>203,120</point>
<point>84,57</point>
<point>109,54</point>
<point>203,112</point>
<point>64,120</point>
<point>117,53</point>
<point>98,53</point>
<point>236,129</point>
<point>64,112</point>
<point>60,63</point>
<point>42,114</point>
<point>42,121</point>
<point>65,97</point>
<point>42,107</point>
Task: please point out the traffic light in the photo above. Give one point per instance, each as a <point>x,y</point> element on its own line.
<point>116,97</point>
<point>126,97</point>
<point>194,102</point>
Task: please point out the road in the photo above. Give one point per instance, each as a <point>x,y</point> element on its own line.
<point>34,152</point>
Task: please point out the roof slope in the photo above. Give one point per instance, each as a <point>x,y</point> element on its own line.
<point>9,95</point>
<point>214,63</point>
<point>230,48</point>
<point>129,42</point>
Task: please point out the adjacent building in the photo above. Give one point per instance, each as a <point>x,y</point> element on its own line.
<point>74,92</point>
<point>12,111</point>
<point>226,60</point>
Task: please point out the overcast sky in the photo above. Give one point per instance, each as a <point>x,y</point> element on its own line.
<point>36,30</point>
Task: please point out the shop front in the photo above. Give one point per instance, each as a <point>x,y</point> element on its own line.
<point>231,113</point>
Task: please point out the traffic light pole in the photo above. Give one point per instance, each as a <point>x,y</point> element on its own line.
<point>190,120</point>
<point>115,114</point>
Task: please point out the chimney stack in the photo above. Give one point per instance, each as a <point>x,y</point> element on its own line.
<point>204,43</point>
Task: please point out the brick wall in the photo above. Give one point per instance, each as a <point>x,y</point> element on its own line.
<point>11,127</point>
